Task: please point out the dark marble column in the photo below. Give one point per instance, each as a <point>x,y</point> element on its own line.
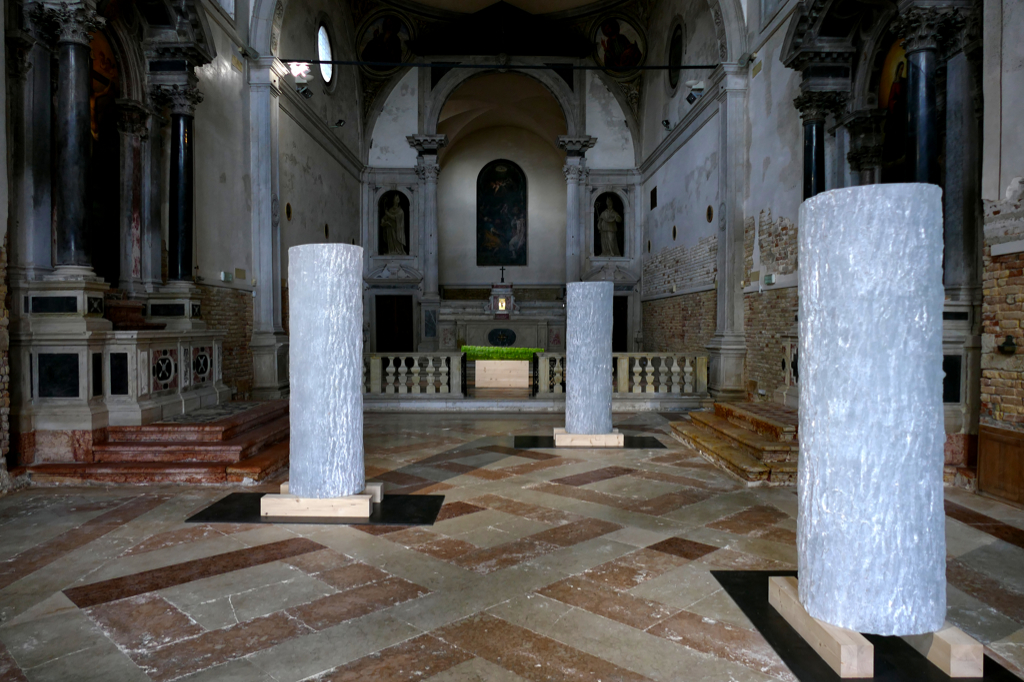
<point>182,101</point>
<point>73,25</point>
<point>922,30</point>
<point>814,108</point>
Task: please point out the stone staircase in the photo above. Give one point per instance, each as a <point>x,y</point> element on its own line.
<point>246,445</point>
<point>755,441</point>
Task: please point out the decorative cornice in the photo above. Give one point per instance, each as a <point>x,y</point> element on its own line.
<point>927,28</point>
<point>427,144</point>
<point>816,106</point>
<point>182,100</point>
<point>69,23</point>
<point>576,146</point>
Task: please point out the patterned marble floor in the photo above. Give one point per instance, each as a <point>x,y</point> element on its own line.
<point>544,565</point>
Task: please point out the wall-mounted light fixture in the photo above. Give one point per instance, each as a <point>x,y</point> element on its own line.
<point>1008,347</point>
<point>339,123</point>
<point>696,91</point>
<point>666,125</point>
<point>304,91</point>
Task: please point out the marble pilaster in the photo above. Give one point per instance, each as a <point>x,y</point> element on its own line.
<point>427,171</point>
<point>575,176</point>
<point>133,124</point>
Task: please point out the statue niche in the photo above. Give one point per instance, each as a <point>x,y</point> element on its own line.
<point>501,214</point>
<point>393,224</point>
<point>609,236</point>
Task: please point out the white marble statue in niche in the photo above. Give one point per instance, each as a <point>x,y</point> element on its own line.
<point>608,226</point>
<point>393,235</point>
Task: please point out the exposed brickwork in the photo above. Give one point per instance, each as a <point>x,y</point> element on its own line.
<point>777,239</point>
<point>748,249</point>
<point>1002,310</point>
<point>766,317</point>
<point>683,267</point>
<point>230,311</point>
<point>680,324</point>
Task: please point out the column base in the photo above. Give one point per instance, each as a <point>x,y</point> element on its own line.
<point>588,440</point>
<point>270,365</point>
<point>727,354</point>
<point>177,305</point>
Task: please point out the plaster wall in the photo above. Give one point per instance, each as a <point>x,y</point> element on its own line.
<point>607,122</point>
<point>222,183</point>
<point>398,118</point>
<point>340,98</point>
<point>319,191</point>
<point>456,207</point>
<point>700,46</point>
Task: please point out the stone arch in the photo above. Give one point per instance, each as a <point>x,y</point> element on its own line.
<point>380,98</point>
<point>265,25</point>
<point>130,58</point>
<point>631,120</point>
<point>730,27</point>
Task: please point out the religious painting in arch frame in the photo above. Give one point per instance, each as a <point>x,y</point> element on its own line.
<point>501,215</point>
<point>393,224</point>
<point>384,37</point>
<point>609,226</point>
<point>892,97</point>
<point>619,47</point>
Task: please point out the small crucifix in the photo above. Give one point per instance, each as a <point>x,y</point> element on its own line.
<point>502,274</point>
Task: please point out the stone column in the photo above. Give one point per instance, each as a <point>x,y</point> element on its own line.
<point>133,124</point>
<point>575,176</point>
<point>427,170</point>
<point>325,282</point>
<point>182,101</point>
<point>921,29</point>
<point>269,342</point>
<point>74,24</point>
<point>588,359</point>
<point>814,107</point>
<point>871,527</point>
<point>727,349</point>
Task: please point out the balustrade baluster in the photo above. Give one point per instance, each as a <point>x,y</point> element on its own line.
<point>443,372</point>
<point>663,373</point>
<point>675,374</point>
<point>650,375</point>
<point>636,375</point>
<point>416,375</point>
<point>403,378</point>
<point>556,386</point>
<point>430,375</point>
<point>389,386</point>
<point>688,377</point>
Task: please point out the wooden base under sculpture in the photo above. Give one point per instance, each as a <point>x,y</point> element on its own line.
<point>359,505</point>
<point>588,440</point>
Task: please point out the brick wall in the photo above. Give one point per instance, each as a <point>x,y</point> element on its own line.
<point>680,324</point>
<point>683,267</point>
<point>766,317</point>
<point>1002,312</point>
<point>230,311</point>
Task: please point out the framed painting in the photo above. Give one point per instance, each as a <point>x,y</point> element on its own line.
<point>384,39</point>
<point>618,46</point>
<point>501,227</point>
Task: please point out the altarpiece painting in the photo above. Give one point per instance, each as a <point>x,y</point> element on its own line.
<point>501,230</point>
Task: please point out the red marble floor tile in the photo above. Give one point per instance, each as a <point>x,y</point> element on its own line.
<point>688,481</point>
<point>179,574</point>
<point>173,538</point>
<point>576,532</point>
<point>749,520</point>
<point>218,646</point>
<point>526,510</point>
<point>445,548</point>
<point>986,524</point>
<point>687,549</point>
<point>9,670</point>
<point>400,478</point>
<point>415,659</point>
<point>489,559</point>
<point>514,452</point>
<point>585,494</point>
<point>667,503</point>
<point>452,510</point>
<point>618,606</point>
<point>143,622</point>
<point>359,601</point>
<point>429,488</point>
<point>31,560</point>
<point>520,469</point>
<point>723,640</point>
<point>410,537</point>
<point>319,561</point>
<point>377,529</point>
<point>631,570</point>
<point>528,654</point>
<point>775,534</point>
<point>593,476</point>
<point>351,575</point>
<point>985,589</point>
<point>486,474</point>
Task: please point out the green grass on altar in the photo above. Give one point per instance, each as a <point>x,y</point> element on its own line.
<point>499,353</point>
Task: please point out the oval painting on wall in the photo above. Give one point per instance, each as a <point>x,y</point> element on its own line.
<point>618,46</point>
<point>384,39</point>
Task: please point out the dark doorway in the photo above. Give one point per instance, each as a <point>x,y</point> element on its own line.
<point>104,189</point>
<point>620,324</point>
<point>394,324</point>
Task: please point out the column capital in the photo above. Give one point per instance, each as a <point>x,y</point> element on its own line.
<point>68,22</point>
<point>428,171</point>
<point>865,158</point>
<point>927,28</point>
<point>572,172</point>
<point>576,145</point>
<point>133,118</point>
<point>817,105</point>
<point>182,99</point>
<point>427,145</point>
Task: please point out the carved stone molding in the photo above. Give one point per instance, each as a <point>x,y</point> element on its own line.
<point>428,172</point>
<point>576,146</point>
<point>132,118</point>
<point>865,158</point>
<point>572,173</point>
<point>927,28</point>
<point>69,23</point>
<point>816,106</point>
<point>182,99</point>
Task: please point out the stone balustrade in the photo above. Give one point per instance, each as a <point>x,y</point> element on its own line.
<point>634,373</point>
<point>413,373</point>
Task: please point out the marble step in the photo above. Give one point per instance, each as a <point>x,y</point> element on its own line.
<point>217,431</point>
<point>770,420</point>
<point>764,449</point>
<point>230,451</point>
<point>732,458</point>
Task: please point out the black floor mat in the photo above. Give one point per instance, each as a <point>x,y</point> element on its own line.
<point>394,510</point>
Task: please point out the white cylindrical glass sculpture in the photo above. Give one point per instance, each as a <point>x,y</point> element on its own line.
<point>325,294</point>
<point>871,540</point>
<point>588,358</point>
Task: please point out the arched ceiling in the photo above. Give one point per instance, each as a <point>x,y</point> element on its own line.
<point>501,99</point>
<point>531,6</point>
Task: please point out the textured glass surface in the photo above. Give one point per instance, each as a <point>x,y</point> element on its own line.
<point>588,357</point>
<point>323,49</point>
<point>871,529</point>
<point>325,287</point>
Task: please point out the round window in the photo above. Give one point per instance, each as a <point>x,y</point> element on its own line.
<point>323,49</point>
<point>675,56</point>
